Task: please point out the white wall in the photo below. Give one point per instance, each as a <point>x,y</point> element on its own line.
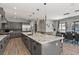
<point>49,27</point>
<point>46,26</point>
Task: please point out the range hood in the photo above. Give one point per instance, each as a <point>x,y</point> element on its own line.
<point>3,20</point>
<point>2,16</point>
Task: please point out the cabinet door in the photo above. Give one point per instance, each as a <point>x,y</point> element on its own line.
<point>29,44</point>
<point>5,42</point>
<point>24,38</point>
<point>1,47</point>
<point>26,41</point>
<point>36,48</point>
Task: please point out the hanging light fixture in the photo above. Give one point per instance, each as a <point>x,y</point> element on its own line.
<point>45,11</point>
<point>66,13</point>
<point>44,3</point>
<point>37,9</point>
<point>76,11</point>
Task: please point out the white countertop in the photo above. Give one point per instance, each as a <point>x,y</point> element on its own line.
<point>43,38</point>
<point>2,37</point>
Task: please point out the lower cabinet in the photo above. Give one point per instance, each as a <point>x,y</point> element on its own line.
<point>1,47</point>
<point>36,48</point>
<point>15,34</point>
<point>51,48</point>
<point>24,39</point>
<point>29,44</point>
<point>3,44</point>
<point>33,47</point>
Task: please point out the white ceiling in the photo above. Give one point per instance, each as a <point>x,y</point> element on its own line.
<point>52,10</point>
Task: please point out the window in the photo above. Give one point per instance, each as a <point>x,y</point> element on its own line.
<point>70,27</point>
<point>76,26</point>
<point>62,27</point>
<point>26,27</point>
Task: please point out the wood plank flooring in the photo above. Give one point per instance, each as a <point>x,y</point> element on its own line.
<point>16,47</point>
<point>70,49</point>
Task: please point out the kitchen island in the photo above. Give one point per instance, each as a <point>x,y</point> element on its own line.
<point>43,44</point>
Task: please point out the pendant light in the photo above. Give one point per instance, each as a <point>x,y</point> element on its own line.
<point>45,11</point>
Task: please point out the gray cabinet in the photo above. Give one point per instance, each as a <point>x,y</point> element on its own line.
<point>5,41</point>
<point>15,34</point>
<point>3,44</point>
<point>51,48</point>
<point>33,47</point>
<point>36,48</point>
<point>24,38</point>
<point>29,43</point>
<point>1,47</point>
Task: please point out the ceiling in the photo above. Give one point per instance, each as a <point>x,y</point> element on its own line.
<point>51,10</point>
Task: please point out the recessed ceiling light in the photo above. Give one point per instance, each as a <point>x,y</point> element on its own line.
<point>37,9</point>
<point>44,3</point>
<point>14,8</point>
<point>15,13</point>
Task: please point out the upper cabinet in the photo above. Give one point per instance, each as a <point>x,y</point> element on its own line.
<point>2,12</point>
<point>2,16</point>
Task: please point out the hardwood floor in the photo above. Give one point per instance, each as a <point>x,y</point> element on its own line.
<point>16,47</point>
<point>70,49</point>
